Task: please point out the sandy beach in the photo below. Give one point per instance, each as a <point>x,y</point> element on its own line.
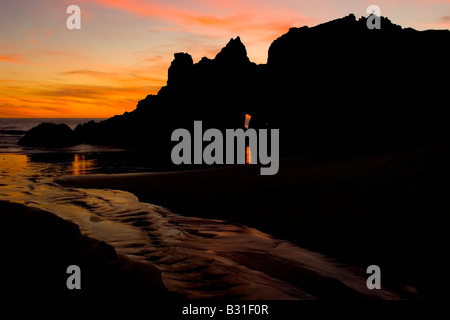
<point>360,209</point>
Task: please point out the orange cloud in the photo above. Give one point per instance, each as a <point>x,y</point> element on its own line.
<point>53,100</point>
<point>11,58</point>
<point>31,108</point>
<point>120,77</point>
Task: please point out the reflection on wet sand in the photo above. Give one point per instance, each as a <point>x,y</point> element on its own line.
<point>41,164</point>
<point>82,166</point>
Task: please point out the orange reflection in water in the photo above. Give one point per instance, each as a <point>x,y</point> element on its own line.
<point>81,166</point>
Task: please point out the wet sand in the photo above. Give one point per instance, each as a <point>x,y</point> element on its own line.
<point>39,246</point>
<point>388,208</point>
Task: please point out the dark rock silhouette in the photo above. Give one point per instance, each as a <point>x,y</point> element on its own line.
<point>335,85</point>
<point>52,244</point>
<point>49,134</point>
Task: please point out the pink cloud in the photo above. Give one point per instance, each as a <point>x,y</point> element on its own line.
<point>229,15</point>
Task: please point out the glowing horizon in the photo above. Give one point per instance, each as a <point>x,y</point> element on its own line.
<point>124,48</point>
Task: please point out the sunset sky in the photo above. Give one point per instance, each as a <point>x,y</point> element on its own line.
<point>124,47</point>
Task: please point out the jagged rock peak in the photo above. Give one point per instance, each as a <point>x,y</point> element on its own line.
<point>233,52</point>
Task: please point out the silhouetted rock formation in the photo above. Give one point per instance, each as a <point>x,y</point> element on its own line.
<point>351,86</point>
<point>337,84</point>
<point>49,134</point>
